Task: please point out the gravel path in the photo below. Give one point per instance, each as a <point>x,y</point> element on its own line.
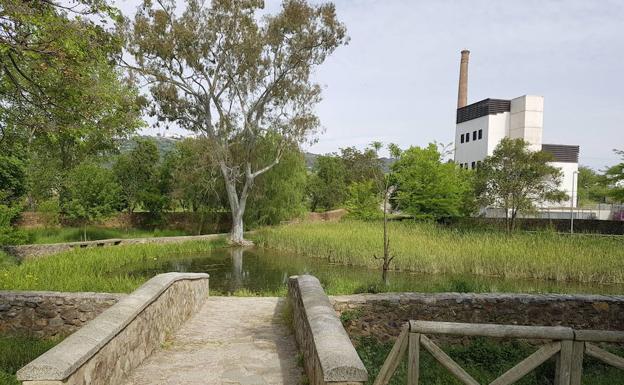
<point>231,340</point>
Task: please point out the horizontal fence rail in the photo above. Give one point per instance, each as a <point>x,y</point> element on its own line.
<point>566,344</point>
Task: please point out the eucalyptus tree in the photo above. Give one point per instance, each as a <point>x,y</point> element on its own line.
<point>234,74</point>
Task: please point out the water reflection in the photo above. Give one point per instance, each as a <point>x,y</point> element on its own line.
<point>267,271</point>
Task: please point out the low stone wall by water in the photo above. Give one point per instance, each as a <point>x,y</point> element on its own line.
<point>50,314</point>
<point>109,347</point>
<point>381,315</point>
<point>25,252</point>
<point>329,356</point>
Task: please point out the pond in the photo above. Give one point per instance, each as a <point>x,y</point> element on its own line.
<point>265,272</point>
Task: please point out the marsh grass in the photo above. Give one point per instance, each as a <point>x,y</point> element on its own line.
<point>434,249</point>
<point>75,234</point>
<point>16,351</point>
<point>107,269</point>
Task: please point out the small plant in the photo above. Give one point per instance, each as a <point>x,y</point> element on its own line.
<point>350,315</point>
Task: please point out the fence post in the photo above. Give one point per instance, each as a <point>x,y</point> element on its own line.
<point>413,359</point>
<point>576,369</point>
<point>564,363</point>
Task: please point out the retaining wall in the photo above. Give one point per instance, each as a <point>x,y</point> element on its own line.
<point>329,356</point>
<point>50,314</point>
<point>24,252</point>
<point>381,315</point>
<point>109,347</point>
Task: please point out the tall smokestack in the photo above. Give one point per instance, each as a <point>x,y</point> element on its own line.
<point>462,94</point>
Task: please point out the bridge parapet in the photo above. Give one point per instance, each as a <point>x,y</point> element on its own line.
<point>329,355</point>
<point>109,347</point>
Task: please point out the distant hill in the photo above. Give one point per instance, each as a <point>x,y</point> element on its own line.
<point>310,159</point>
<point>166,145</point>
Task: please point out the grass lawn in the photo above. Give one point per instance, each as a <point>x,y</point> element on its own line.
<point>17,351</point>
<point>430,248</point>
<point>106,269</point>
<point>484,359</point>
<point>76,234</point>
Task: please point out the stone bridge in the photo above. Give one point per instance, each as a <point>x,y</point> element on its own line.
<point>170,331</point>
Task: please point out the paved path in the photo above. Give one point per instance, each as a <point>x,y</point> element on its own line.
<point>230,341</point>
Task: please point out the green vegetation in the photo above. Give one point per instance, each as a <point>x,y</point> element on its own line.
<point>17,351</point>
<point>430,248</point>
<point>516,178</point>
<point>75,234</point>
<point>112,270</point>
<point>428,188</point>
<point>484,359</point>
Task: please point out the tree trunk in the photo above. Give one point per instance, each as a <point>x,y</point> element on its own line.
<point>237,206</point>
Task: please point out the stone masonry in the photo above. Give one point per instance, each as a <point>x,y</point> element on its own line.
<point>50,314</point>
<point>381,315</point>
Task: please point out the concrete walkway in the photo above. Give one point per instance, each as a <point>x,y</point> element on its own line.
<point>232,341</point>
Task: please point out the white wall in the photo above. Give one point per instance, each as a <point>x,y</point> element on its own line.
<point>569,176</point>
<point>475,150</point>
<point>498,129</point>
<point>527,120</point>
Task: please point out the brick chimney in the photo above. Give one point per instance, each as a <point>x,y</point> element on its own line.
<point>462,95</point>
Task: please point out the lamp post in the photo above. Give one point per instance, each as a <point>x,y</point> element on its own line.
<point>572,203</point>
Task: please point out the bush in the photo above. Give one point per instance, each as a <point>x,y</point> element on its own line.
<point>9,235</point>
<point>49,212</point>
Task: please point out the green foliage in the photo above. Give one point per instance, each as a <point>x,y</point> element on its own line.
<point>49,212</point>
<point>93,193</point>
<point>12,178</point>
<point>433,249</point>
<point>427,188</point>
<point>592,187</point>
<point>119,269</point>
<point>484,359</point>
<point>18,350</point>
<point>278,195</point>
<point>516,178</point>
<point>9,235</point>
<point>363,200</point>
<point>615,178</point>
<point>75,234</point>
<point>327,187</point>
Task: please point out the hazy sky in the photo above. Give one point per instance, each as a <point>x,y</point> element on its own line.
<point>396,81</point>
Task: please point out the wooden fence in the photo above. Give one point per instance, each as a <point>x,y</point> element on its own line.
<point>566,344</point>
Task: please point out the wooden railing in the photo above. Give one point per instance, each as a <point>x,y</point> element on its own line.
<point>566,344</point>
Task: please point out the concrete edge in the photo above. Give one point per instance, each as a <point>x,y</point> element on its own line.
<point>338,358</point>
<point>400,297</point>
<point>64,359</point>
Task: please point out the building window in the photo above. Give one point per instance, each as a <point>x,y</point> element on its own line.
<point>467,137</point>
<point>474,135</point>
<point>461,165</point>
<point>473,165</point>
<point>462,138</point>
<point>480,134</point>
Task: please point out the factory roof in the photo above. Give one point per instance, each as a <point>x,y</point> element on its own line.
<point>482,108</point>
<point>562,152</point>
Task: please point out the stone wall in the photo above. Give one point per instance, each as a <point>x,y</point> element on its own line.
<point>24,252</point>
<point>381,315</point>
<point>50,314</point>
<point>108,348</point>
<point>329,356</point>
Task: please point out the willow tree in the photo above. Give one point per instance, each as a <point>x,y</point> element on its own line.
<point>233,73</point>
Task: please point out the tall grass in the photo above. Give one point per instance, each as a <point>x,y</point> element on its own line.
<point>75,234</point>
<point>119,269</point>
<point>16,351</point>
<point>430,248</point>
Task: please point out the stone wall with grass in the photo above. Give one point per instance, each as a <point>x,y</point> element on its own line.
<point>381,315</point>
<point>50,314</point>
<point>328,355</point>
<point>109,347</point>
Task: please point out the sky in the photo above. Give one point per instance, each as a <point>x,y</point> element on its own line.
<point>396,80</point>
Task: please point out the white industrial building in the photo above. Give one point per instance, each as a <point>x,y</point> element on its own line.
<point>482,125</point>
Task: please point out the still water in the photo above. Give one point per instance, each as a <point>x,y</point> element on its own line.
<point>265,271</point>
